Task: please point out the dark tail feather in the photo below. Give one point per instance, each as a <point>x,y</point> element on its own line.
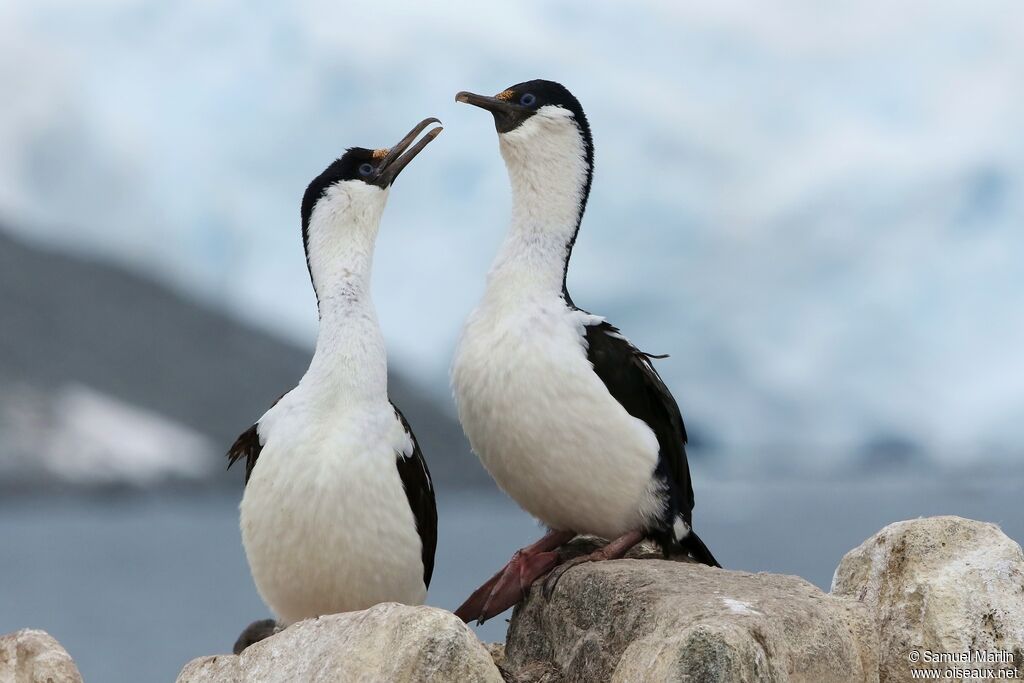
<point>698,551</point>
<point>254,633</point>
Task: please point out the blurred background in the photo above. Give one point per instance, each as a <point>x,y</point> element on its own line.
<point>816,209</point>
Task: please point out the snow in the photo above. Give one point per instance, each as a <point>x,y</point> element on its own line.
<point>78,435</point>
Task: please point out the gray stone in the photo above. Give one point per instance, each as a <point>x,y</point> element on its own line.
<point>660,620</point>
<point>33,656</point>
<point>388,642</point>
<point>940,584</point>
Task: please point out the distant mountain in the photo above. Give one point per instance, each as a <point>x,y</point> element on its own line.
<point>107,376</point>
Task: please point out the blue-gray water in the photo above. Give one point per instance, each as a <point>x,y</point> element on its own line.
<point>136,586</point>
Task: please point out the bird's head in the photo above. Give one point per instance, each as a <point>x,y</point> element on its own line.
<point>549,153</point>
<point>359,180</point>
<point>348,198</point>
<point>538,121</point>
<point>549,102</point>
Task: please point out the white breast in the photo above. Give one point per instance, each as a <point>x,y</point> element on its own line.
<point>545,426</point>
<point>325,520</point>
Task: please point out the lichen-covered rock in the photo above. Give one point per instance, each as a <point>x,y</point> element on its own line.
<point>497,653</point>
<point>388,642</point>
<point>658,620</point>
<point>940,584</point>
<point>33,656</point>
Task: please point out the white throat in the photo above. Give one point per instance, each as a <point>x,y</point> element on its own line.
<point>350,362</point>
<point>546,160</point>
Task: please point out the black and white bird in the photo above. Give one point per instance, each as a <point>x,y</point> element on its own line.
<point>338,512</point>
<point>570,419</point>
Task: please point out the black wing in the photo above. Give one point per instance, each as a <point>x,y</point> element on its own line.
<point>419,490</point>
<point>247,446</point>
<point>634,383</point>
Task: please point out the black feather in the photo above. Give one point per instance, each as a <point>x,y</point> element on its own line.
<point>632,380</point>
<point>419,490</point>
<point>695,547</point>
<point>247,446</point>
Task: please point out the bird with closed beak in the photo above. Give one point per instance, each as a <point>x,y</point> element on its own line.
<point>567,415</point>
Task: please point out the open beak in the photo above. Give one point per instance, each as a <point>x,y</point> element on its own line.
<point>399,156</point>
<point>506,114</point>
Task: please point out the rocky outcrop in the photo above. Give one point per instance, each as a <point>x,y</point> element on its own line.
<point>33,656</point>
<point>939,585</point>
<point>942,585</point>
<point>388,642</point>
<point>659,620</point>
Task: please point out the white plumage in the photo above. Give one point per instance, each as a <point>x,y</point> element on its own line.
<point>539,418</point>
<point>544,425</point>
<point>325,520</point>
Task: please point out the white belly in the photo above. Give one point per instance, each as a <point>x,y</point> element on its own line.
<point>326,524</point>
<point>545,426</point>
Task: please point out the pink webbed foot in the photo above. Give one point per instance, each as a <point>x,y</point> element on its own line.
<point>506,588</point>
<point>613,551</point>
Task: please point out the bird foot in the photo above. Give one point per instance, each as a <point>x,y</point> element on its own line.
<point>510,584</point>
<point>254,633</point>
<point>506,588</point>
<point>613,551</point>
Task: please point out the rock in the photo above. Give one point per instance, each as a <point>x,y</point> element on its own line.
<point>941,584</point>
<point>497,653</point>
<point>388,642</point>
<point>214,668</point>
<point>33,656</point>
<point>659,620</point>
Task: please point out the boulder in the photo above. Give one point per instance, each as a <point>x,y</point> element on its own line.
<point>33,656</point>
<point>661,620</point>
<point>388,642</point>
<point>939,585</point>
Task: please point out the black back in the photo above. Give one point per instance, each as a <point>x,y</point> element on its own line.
<point>419,490</point>
<point>633,382</point>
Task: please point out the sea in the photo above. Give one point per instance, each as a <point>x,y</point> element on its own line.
<point>137,583</point>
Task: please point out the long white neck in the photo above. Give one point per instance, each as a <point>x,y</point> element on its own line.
<point>350,361</point>
<point>547,166</point>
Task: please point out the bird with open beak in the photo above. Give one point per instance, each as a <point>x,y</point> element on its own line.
<point>338,512</point>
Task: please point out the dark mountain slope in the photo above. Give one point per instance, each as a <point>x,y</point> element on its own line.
<point>68,319</point>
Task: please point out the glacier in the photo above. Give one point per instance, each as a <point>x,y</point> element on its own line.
<point>816,208</point>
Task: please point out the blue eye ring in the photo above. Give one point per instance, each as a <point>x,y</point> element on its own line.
<point>528,99</point>
<point>366,169</point>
